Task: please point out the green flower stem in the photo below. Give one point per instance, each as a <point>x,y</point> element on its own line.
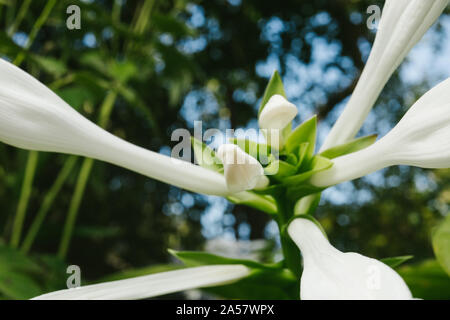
<point>32,161</point>
<point>72,214</point>
<point>48,202</point>
<point>25,193</point>
<point>290,251</point>
<point>20,15</point>
<point>83,177</point>
<point>141,20</point>
<point>34,31</point>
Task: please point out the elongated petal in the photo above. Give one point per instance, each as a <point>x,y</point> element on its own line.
<point>402,25</point>
<point>34,118</point>
<point>421,138</point>
<point>153,285</point>
<point>242,171</point>
<point>331,274</point>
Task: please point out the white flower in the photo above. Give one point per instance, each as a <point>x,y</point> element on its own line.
<point>153,285</point>
<point>329,274</point>
<point>242,171</point>
<point>277,113</point>
<point>421,138</point>
<point>402,25</point>
<point>33,117</point>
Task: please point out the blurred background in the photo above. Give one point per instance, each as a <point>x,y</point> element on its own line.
<point>144,68</point>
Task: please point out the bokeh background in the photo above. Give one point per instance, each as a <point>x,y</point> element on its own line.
<point>144,68</point>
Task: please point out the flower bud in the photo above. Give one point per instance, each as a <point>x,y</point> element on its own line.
<point>242,171</point>
<point>277,113</point>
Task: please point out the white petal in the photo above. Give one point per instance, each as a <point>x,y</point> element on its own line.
<point>421,138</point>
<point>33,117</point>
<point>402,25</point>
<point>277,113</point>
<point>153,285</point>
<point>331,274</point>
<point>242,171</point>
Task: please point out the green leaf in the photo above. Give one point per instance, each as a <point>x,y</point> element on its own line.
<point>17,273</point>
<point>426,280</point>
<point>123,71</point>
<point>50,65</point>
<point>292,159</point>
<point>205,156</point>
<point>259,151</point>
<point>261,285</point>
<point>307,205</point>
<point>131,273</point>
<point>275,86</point>
<point>198,258</point>
<point>17,285</point>
<point>318,164</point>
<point>95,61</point>
<point>303,149</point>
<point>441,244</point>
<point>12,259</point>
<point>349,147</point>
<point>279,169</point>
<point>305,132</point>
<point>76,95</point>
<point>251,199</point>
<point>298,186</point>
<point>394,262</point>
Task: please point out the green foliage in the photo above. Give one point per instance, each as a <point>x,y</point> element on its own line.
<point>427,280</point>
<point>261,285</point>
<point>198,258</point>
<point>51,65</point>
<point>441,244</point>
<point>266,281</point>
<point>349,147</point>
<point>264,203</point>
<point>22,277</point>
<point>394,262</point>
<point>279,169</point>
<point>138,272</point>
<point>275,86</point>
<point>306,132</point>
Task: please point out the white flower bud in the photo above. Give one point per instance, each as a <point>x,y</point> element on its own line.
<point>329,274</point>
<point>242,171</point>
<point>277,113</point>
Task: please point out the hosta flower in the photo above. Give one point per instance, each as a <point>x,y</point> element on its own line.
<point>242,171</point>
<point>276,115</point>
<point>33,117</point>
<point>331,274</point>
<point>153,285</point>
<point>421,138</point>
<point>402,25</point>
